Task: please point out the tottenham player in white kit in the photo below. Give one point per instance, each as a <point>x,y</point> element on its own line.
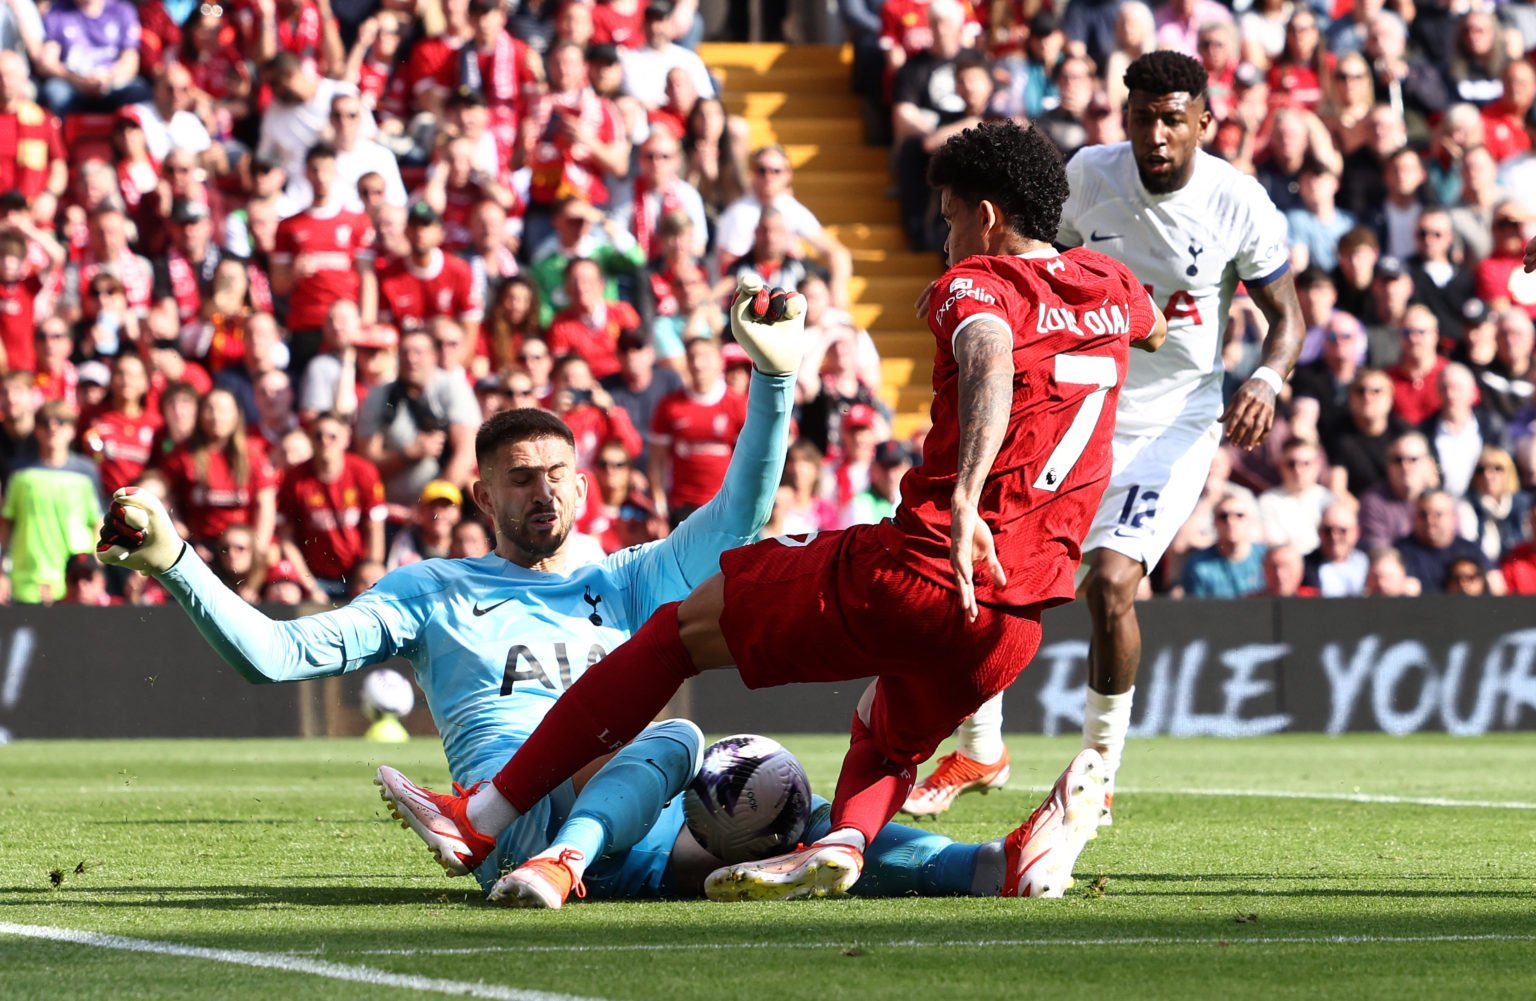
<point>1191,227</point>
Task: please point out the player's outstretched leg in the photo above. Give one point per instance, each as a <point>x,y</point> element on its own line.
<point>979,763</point>
<point>437,819</point>
<point>612,813</point>
<point>1114,654</point>
<point>605,709</point>
<point>1041,853</point>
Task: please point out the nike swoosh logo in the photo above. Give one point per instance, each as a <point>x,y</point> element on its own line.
<point>1096,238</point>
<point>490,608</point>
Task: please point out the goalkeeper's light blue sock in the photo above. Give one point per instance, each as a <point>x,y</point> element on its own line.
<point>619,804</point>
<point>906,861</point>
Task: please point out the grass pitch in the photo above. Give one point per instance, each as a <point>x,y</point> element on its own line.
<point>1286,867</point>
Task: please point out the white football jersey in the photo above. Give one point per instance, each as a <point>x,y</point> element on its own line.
<point>1189,248</point>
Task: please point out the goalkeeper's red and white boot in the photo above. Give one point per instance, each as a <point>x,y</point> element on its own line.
<point>954,775</point>
<point>816,871</point>
<point>1040,854</point>
<point>544,883</point>
<point>437,819</point>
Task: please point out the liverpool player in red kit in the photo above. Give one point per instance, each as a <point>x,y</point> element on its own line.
<point>941,604</point>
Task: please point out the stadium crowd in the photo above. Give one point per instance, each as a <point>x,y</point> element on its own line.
<point>1396,140</point>
<point>277,261</point>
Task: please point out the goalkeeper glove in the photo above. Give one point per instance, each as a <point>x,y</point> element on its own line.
<point>138,534</point>
<point>769,324</point>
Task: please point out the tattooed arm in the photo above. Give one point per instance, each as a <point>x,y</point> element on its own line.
<point>1251,413</point>
<point>984,351</point>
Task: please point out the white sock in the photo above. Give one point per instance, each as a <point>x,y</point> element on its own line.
<point>991,869</point>
<point>980,738</point>
<point>576,861</point>
<point>844,836</point>
<point>1106,719</point>
<point>489,812</point>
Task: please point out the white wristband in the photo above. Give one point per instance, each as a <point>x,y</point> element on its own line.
<point>1269,377</point>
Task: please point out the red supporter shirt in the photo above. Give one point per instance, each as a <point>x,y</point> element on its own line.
<point>213,502</point>
<point>1416,400</point>
<point>904,25</point>
<point>136,274</point>
<point>1519,569</point>
<point>121,446</point>
<point>592,428</point>
<point>594,339</point>
<point>17,322</point>
<point>616,27</point>
<point>30,140</point>
<point>1073,316</point>
<point>410,298</point>
<point>556,173</point>
<point>328,519</point>
<point>1504,278</point>
<point>458,206</point>
<point>332,241</point>
<point>700,432</point>
<point>388,92</point>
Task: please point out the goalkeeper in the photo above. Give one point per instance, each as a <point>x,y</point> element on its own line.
<point>495,640</point>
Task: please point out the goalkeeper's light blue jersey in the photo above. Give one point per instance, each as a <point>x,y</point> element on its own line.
<point>494,644</point>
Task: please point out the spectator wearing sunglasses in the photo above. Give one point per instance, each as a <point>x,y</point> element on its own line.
<point>1234,566</point>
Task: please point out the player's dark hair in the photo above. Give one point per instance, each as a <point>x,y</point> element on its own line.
<point>1017,169</point>
<point>1166,72</point>
<point>522,424</point>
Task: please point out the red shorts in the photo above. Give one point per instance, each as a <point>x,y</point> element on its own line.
<point>834,606</point>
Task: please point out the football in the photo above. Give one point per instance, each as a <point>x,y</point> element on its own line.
<point>750,800</point>
<point>387,692</point>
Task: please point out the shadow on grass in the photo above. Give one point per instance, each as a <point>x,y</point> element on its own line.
<point>238,897</point>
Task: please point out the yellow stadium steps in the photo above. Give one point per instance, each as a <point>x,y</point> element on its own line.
<point>833,78</point>
<point>781,104</point>
<point>809,159</point>
<point>905,425</point>
<point>822,131</point>
<point>889,263</point>
<point>764,59</point>
<point>896,293</point>
<point>876,236</point>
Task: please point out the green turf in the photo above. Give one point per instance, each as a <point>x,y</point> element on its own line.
<point>282,847</point>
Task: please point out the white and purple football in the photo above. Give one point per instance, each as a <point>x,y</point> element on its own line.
<point>750,800</point>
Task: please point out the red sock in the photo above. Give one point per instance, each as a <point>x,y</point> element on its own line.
<point>870,789</point>
<point>603,711</point>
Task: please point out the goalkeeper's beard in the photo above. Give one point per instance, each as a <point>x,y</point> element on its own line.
<point>537,542</point>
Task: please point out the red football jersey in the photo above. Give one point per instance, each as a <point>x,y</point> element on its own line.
<point>121,446</point>
<point>701,433</point>
<point>18,301</point>
<point>597,343</point>
<point>329,242</point>
<point>213,502</point>
<point>1073,317</point>
<point>410,297</point>
<point>328,518</point>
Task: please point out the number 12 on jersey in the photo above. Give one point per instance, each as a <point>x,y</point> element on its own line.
<point>1099,372</point>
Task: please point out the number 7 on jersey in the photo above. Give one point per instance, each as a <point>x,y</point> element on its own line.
<point>1099,372</point>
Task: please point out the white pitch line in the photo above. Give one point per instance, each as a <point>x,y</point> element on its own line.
<point>1033,943</point>
<point>286,963</point>
<point>1338,797</point>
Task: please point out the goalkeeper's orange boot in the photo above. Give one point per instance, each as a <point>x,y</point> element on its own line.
<point>438,819</point>
<point>540,882</point>
<point>954,775</point>
<point>1041,853</point>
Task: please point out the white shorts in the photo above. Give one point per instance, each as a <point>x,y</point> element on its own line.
<point>1153,489</point>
